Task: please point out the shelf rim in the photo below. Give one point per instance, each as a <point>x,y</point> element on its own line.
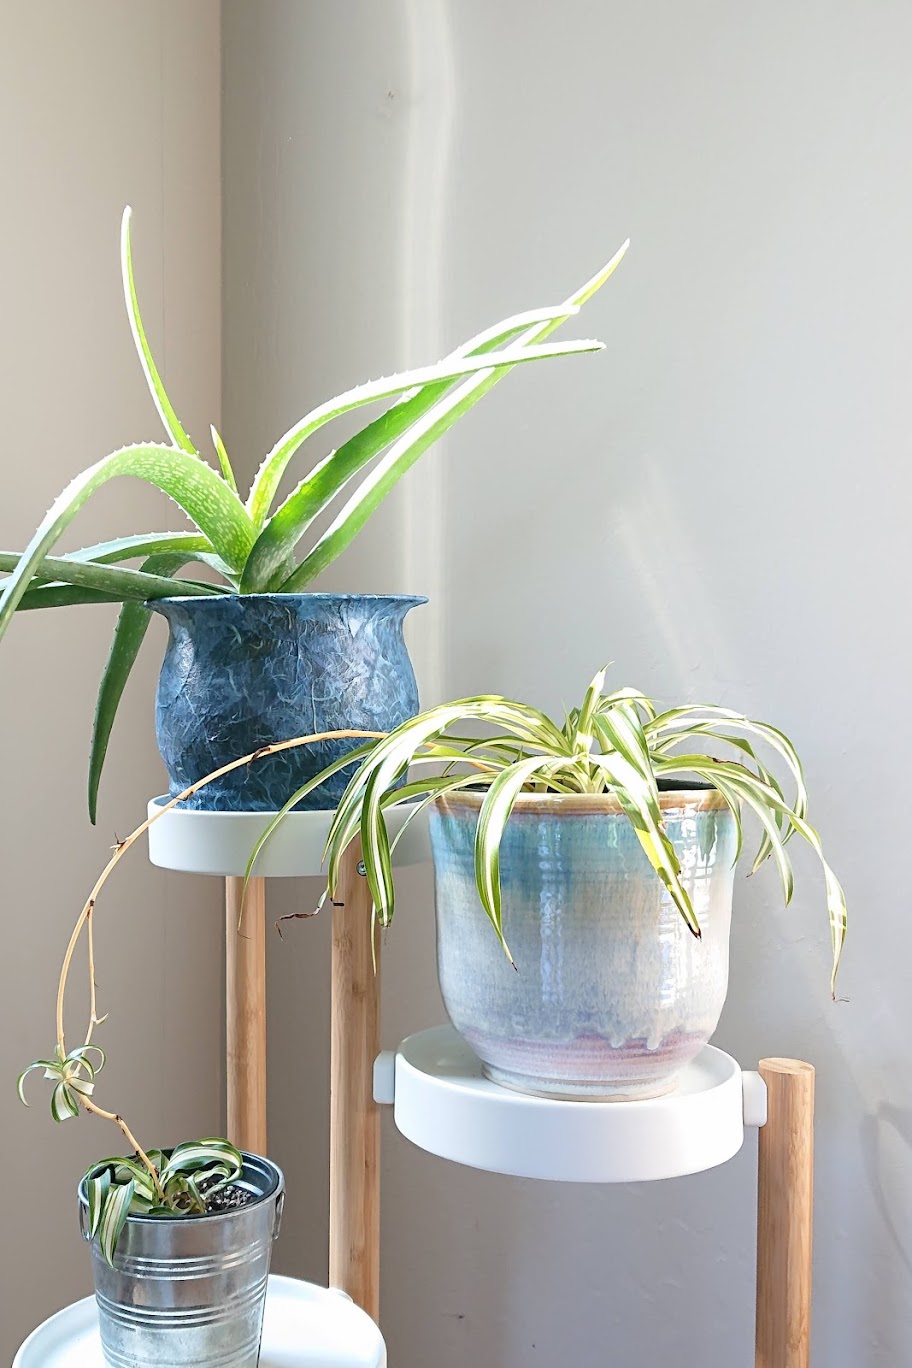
<point>284,1294</point>
<point>192,841</point>
<point>444,1105</point>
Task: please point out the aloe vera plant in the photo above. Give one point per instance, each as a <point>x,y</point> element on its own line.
<point>251,545</point>
<point>620,743</point>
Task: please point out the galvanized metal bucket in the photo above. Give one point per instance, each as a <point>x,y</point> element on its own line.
<point>190,1290</point>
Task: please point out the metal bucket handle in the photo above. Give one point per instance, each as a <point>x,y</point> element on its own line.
<point>279,1210</point>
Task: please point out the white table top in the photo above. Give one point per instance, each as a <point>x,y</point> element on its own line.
<point>304,1327</point>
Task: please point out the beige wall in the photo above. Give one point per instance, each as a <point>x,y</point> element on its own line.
<point>719,503</point>
<point>100,104</point>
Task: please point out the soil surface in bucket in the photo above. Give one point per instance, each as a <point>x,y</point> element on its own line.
<point>228,1199</point>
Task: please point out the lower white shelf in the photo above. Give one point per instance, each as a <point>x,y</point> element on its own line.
<point>443,1103</point>
<point>304,1327</point>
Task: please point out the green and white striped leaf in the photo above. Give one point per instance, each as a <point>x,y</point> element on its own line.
<point>431,789</point>
<point>758,794</point>
<point>391,757</point>
<point>705,730</point>
<point>49,1067</point>
<point>83,1054</point>
<point>63,1103</point>
<point>375,851</point>
<point>204,1154</point>
<point>582,720</point>
<point>671,727</point>
<point>351,757</point>
<point>97,1190</point>
<point>114,1213</point>
<point>492,818</point>
<point>639,799</point>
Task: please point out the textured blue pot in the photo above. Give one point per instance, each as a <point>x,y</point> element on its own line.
<point>243,670</point>
<point>611,995</point>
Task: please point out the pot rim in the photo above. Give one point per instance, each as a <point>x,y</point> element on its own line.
<point>275,1193</point>
<point>324,597</point>
<point>702,799</point>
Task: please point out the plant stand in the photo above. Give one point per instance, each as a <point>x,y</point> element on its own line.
<point>245,1018</point>
<point>442,1102</point>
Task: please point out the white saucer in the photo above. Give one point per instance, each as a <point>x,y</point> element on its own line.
<point>221,842</point>
<point>443,1103</point>
<point>305,1326</point>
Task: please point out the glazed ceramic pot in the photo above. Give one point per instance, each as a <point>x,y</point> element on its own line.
<point>612,995</point>
<point>241,671</point>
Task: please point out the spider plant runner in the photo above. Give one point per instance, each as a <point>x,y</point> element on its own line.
<point>181,1239</point>
<point>253,654</point>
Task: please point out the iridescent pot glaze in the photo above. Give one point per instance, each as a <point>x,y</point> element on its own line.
<point>611,995</point>
<point>243,670</point>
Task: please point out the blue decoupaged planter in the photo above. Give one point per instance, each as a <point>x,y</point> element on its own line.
<point>611,995</point>
<point>241,671</point>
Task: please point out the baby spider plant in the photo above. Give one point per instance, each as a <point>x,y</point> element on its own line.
<point>620,743</point>
<point>180,1182</point>
<point>254,545</point>
<point>183,1184</point>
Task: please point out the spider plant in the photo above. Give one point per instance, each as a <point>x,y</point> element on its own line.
<point>180,1182</point>
<point>618,743</point>
<point>251,545</point>
<point>187,1179</point>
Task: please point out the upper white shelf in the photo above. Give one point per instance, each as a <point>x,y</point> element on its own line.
<point>443,1103</point>
<point>304,1327</point>
<point>221,842</point>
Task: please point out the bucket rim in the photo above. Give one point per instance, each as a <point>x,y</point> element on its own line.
<point>275,1192</point>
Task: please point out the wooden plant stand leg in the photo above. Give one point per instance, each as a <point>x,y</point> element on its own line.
<point>354,1162</point>
<point>785,1203</point>
<point>245,1002</point>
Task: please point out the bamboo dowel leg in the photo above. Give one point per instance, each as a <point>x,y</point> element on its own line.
<point>245,1003</point>
<point>354,1164</point>
<point>785,1202</point>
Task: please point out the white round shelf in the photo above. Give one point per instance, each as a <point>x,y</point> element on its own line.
<point>221,842</point>
<point>444,1104</point>
<point>304,1327</point>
